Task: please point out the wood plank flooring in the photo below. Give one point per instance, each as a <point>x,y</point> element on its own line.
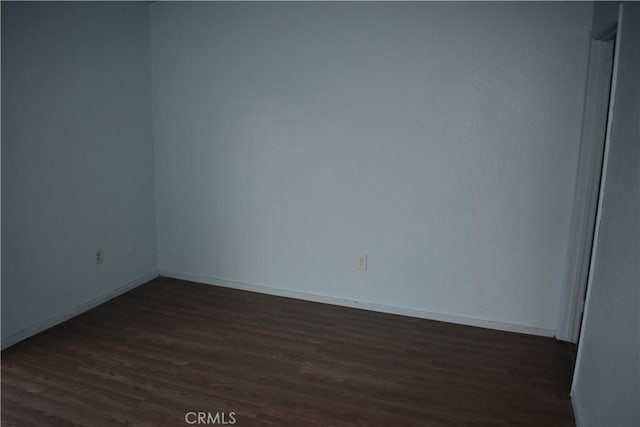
<point>170,347</point>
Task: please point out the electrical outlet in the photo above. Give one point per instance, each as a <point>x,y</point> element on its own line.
<point>99,257</point>
<point>361,263</point>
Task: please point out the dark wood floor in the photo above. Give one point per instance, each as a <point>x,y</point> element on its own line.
<point>170,347</point>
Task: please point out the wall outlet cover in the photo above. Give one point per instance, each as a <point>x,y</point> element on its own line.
<point>362,262</point>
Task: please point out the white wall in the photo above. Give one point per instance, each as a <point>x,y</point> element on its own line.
<point>440,139</point>
<point>77,158</point>
<point>606,389</point>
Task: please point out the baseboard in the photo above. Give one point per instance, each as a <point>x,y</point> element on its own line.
<point>68,314</point>
<point>403,311</point>
<point>576,410</point>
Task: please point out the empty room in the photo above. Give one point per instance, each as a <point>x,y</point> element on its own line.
<point>320,213</point>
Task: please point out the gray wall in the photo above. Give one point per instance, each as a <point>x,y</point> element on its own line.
<point>77,157</point>
<point>606,390</point>
<point>605,14</point>
<point>440,139</point>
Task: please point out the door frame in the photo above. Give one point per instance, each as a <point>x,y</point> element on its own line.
<point>590,177</point>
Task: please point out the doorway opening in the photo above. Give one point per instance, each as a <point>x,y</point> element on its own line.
<point>589,183</point>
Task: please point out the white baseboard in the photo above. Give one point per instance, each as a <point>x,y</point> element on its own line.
<point>403,311</point>
<point>42,325</point>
